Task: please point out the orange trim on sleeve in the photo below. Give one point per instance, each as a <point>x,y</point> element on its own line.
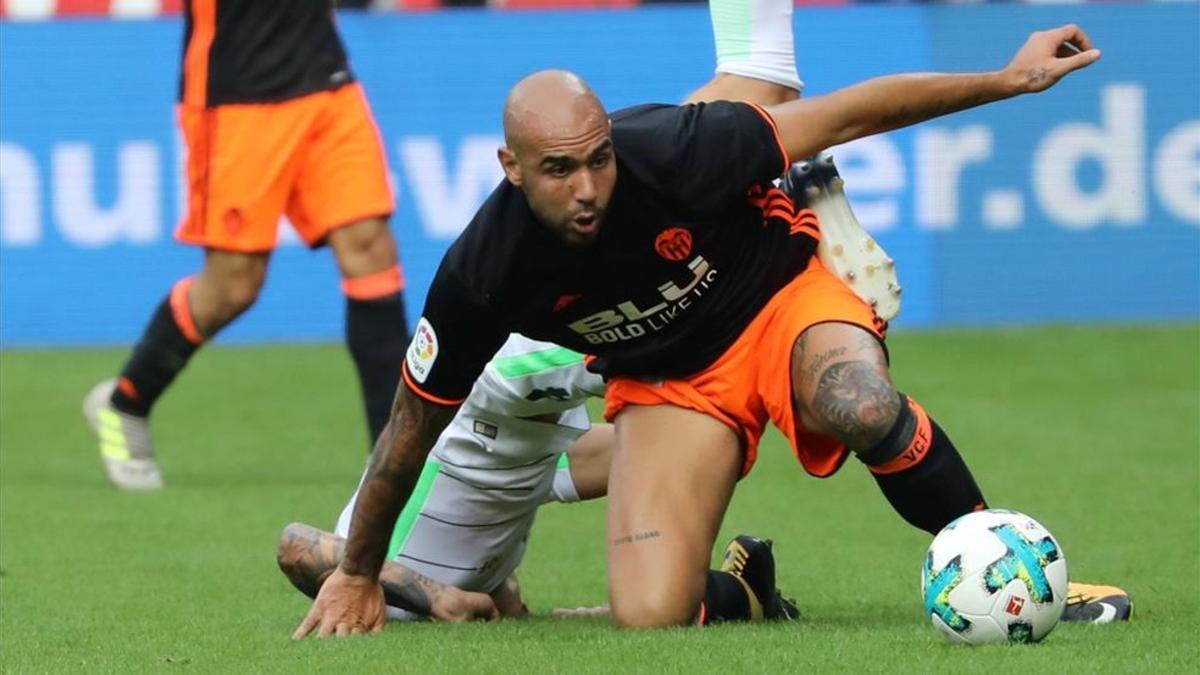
<point>787,161</point>
<point>182,313</point>
<point>423,394</point>
<point>374,286</point>
<point>195,59</point>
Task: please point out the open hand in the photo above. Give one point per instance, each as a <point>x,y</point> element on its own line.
<point>347,605</point>
<point>1047,56</point>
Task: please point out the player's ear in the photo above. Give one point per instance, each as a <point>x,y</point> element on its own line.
<point>508,162</point>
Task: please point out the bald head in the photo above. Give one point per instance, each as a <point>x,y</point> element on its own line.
<point>559,152</point>
<point>550,105</point>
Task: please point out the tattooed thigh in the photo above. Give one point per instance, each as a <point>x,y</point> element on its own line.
<point>855,403</point>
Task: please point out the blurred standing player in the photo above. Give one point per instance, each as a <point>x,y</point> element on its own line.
<point>275,124</point>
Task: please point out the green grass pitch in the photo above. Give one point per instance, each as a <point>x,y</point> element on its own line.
<point>1094,431</point>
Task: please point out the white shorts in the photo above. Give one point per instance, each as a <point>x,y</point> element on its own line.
<point>754,39</point>
<point>469,517</point>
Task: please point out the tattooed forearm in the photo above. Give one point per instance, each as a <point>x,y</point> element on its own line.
<point>406,589</point>
<point>906,115</point>
<point>395,466</point>
<point>856,404</point>
<point>636,536</point>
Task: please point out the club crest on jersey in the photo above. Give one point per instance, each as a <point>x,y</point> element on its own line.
<point>422,351</point>
<point>674,243</point>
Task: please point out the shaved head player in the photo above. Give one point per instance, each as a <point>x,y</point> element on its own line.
<point>654,239</point>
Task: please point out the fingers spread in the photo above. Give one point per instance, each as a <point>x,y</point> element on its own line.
<point>306,626</point>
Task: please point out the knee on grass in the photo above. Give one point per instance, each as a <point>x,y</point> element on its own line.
<point>653,610</point>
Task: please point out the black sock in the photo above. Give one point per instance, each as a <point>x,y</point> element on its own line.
<point>924,478</point>
<point>377,335</point>
<point>725,599</point>
<point>159,356</point>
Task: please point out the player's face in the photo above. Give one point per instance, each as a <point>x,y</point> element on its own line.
<point>568,183</point>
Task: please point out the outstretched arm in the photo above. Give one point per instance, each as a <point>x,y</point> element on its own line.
<point>351,599</point>
<point>809,125</point>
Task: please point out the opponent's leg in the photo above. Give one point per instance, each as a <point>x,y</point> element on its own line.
<point>756,59</point>
<point>841,387</point>
<point>376,327</point>
<point>673,472</point>
<point>307,556</point>
<point>194,310</point>
<point>582,473</point>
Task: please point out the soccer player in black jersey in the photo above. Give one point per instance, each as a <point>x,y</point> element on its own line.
<point>274,124</point>
<point>654,240</point>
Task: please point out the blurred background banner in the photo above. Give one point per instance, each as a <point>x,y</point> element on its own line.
<point>1082,204</point>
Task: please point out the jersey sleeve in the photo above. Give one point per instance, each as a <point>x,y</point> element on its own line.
<point>455,338</point>
<point>703,154</point>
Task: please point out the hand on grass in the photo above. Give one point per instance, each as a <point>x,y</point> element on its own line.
<point>347,605</point>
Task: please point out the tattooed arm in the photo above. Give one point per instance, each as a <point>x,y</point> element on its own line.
<point>810,125</point>
<point>391,476</point>
<point>351,599</point>
<point>307,556</point>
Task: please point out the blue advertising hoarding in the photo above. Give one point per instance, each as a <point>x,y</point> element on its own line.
<point>1082,204</point>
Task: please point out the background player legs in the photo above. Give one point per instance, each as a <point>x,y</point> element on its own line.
<point>195,310</point>
<point>226,287</point>
<point>841,387</point>
<point>673,472</point>
<point>376,327</point>
<point>307,556</point>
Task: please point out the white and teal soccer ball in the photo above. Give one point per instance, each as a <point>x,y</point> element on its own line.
<point>994,576</point>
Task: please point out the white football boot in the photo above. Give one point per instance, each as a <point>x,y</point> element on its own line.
<point>125,447</point>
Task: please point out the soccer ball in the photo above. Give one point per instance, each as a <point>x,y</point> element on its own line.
<point>994,576</point>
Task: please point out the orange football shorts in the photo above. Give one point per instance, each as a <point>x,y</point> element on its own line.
<point>316,158</point>
<point>750,383</point>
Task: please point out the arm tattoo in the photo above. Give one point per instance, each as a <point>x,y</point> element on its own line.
<point>407,589</point>
<point>395,466</point>
<point>905,116</point>
<point>1036,76</point>
<point>855,404</point>
<point>307,556</point>
<point>818,363</point>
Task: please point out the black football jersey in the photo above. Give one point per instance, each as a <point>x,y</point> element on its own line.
<point>695,241</point>
<point>255,51</point>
